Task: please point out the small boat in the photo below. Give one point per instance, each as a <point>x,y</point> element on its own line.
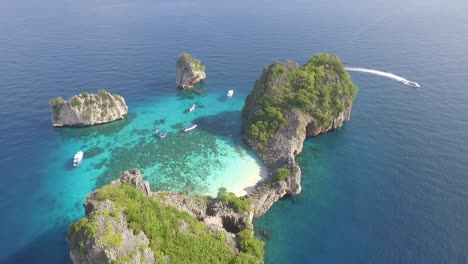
<point>193,126</point>
<point>230,93</point>
<point>413,84</point>
<point>160,133</point>
<point>78,158</point>
<point>191,108</point>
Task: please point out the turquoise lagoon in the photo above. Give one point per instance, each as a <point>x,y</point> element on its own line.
<point>199,161</point>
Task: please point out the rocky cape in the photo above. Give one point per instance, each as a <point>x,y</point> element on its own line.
<point>189,71</point>
<point>87,109</point>
<point>95,246</point>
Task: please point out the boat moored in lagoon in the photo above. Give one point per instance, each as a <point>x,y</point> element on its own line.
<point>230,93</point>
<point>191,108</point>
<point>78,158</point>
<point>160,133</point>
<point>193,126</point>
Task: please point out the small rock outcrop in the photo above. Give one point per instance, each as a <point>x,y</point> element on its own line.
<point>87,109</point>
<point>289,103</point>
<point>189,71</point>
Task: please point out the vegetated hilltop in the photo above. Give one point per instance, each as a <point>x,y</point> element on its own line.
<point>288,103</point>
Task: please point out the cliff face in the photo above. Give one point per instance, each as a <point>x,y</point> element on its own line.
<point>87,109</point>
<point>280,94</point>
<point>189,71</point>
<point>103,236</point>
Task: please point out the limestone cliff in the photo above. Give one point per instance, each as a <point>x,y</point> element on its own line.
<point>289,103</point>
<point>104,234</point>
<point>189,71</point>
<point>88,109</point>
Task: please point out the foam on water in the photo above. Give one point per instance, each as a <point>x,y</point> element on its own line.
<point>384,74</point>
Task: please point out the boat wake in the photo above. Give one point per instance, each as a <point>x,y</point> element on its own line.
<point>384,74</point>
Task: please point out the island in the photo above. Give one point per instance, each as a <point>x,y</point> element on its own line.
<point>126,222</point>
<point>290,102</point>
<point>87,109</point>
<point>189,71</point>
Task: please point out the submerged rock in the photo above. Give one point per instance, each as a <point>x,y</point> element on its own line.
<point>88,109</point>
<point>189,71</point>
<point>288,103</point>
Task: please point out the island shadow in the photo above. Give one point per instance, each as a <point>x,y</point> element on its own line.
<point>226,125</point>
<point>110,128</point>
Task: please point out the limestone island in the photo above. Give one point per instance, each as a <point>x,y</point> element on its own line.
<point>87,109</point>
<point>189,71</point>
<point>126,222</point>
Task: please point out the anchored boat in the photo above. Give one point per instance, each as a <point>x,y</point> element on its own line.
<point>230,93</point>
<point>193,126</point>
<point>191,108</point>
<point>78,158</point>
<point>160,133</point>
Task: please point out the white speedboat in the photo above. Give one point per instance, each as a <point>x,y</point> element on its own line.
<point>413,84</point>
<point>78,158</point>
<point>230,93</point>
<point>193,126</point>
<point>191,108</point>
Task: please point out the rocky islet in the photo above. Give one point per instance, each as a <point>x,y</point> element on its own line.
<point>87,109</point>
<point>189,71</point>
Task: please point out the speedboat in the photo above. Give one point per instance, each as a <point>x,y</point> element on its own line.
<point>193,126</point>
<point>160,133</point>
<point>78,158</point>
<point>191,108</point>
<point>413,84</point>
<point>230,93</point>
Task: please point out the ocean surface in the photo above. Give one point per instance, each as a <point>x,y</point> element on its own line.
<point>389,187</point>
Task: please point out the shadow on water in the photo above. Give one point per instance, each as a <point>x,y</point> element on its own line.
<point>68,164</point>
<point>38,251</point>
<point>225,124</point>
<point>223,98</point>
<point>104,129</point>
<point>192,93</point>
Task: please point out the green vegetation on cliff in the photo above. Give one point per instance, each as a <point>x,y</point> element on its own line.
<point>57,104</point>
<point>282,174</point>
<point>239,204</point>
<point>321,88</point>
<point>198,65</point>
<point>172,233</point>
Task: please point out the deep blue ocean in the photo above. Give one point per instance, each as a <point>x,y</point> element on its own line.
<point>389,187</point>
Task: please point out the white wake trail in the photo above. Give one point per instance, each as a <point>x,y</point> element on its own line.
<point>384,74</point>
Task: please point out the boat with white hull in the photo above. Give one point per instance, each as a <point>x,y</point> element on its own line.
<point>78,158</point>
<point>193,126</point>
